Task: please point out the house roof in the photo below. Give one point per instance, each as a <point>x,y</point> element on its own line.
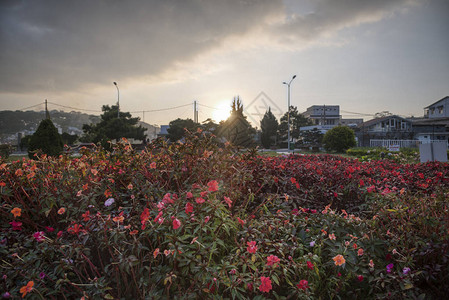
<point>378,120</point>
<point>447,97</point>
<point>431,121</point>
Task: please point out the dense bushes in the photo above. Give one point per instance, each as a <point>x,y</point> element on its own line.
<point>197,221</point>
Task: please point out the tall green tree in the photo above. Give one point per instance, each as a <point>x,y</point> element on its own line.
<point>236,129</point>
<point>297,120</point>
<point>112,127</point>
<point>177,128</point>
<point>339,139</point>
<point>45,139</point>
<point>269,126</point>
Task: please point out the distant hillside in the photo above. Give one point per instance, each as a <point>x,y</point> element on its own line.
<point>26,122</point>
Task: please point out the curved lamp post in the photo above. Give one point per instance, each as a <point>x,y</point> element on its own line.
<point>288,110</point>
<point>118,100</point>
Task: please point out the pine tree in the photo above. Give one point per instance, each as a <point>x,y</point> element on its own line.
<point>236,129</point>
<point>297,120</point>
<point>45,139</point>
<point>112,128</point>
<point>269,126</point>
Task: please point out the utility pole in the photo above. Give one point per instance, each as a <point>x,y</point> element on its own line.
<point>288,111</point>
<point>118,100</point>
<point>195,112</point>
<point>47,114</point>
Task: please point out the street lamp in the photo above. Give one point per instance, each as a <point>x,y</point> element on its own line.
<point>118,100</point>
<point>288,110</point>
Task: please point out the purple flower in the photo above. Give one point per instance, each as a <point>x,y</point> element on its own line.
<point>109,202</point>
<point>312,243</point>
<point>6,295</point>
<point>389,268</point>
<point>406,270</point>
<point>42,275</point>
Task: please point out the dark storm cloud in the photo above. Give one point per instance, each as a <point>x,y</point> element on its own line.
<point>63,45</point>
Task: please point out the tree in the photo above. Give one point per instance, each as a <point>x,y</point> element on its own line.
<point>112,128</point>
<point>312,137</point>
<point>297,120</point>
<point>339,139</point>
<point>236,129</point>
<point>177,128</point>
<point>68,139</point>
<point>46,139</point>
<point>269,126</point>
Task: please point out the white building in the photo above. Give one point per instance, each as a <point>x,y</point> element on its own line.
<point>439,109</point>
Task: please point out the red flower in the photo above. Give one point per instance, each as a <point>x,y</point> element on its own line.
<point>252,248</point>
<point>242,222</point>
<point>303,285</point>
<point>228,201</point>
<point>75,229</point>
<point>86,216</point>
<point>360,278</point>
<point>176,223</point>
<point>39,236</point>
<point>200,200</point>
<point>16,225</point>
<point>309,265</point>
<point>213,186</point>
<point>272,259</point>
<point>144,217</point>
<point>189,208</point>
<point>265,285</point>
<point>189,195</point>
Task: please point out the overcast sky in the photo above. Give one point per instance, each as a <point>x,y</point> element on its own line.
<point>366,56</point>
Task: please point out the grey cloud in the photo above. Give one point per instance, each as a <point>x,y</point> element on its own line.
<point>63,45</point>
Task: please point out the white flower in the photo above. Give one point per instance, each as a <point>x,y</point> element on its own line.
<point>109,202</point>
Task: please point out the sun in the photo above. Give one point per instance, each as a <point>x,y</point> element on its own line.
<point>222,111</point>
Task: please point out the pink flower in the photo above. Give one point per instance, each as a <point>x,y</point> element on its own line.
<point>272,259</point>
<point>332,236</point>
<point>309,265</point>
<point>303,285</point>
<point>360,278</point>
<point>213,186</point>
<point>200,200</point>
<point>228,201</point>
<point>189,208</point>
<point>39,236</point>
<point>176,223</point>
<point>371,263</point>
<point>360,252</point>
<point>16,225</point>
<point>206,219</point>
<point>265,285</point>
<point>371,189</point>
<point>189,195</point>
<point>252,248</point>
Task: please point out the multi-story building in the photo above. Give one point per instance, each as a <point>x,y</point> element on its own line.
<point>323,114</point>
<point>439,109</point>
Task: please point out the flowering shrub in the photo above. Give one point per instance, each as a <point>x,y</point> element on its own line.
<point>196,221</point>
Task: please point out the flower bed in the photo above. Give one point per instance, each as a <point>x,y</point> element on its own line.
<point>197,221</point>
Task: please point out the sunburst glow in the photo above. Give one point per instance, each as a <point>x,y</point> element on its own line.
<point>221,111</point>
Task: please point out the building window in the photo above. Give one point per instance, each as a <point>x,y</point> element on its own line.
<point>440,109</point>
<point>432,110</point>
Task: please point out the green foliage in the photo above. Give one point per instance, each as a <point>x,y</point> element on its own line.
<point>297,120</point>
<point>195,221</point>
<point>269,126</point>
<point>339,139</point>
<point>312,138</point>
<point>177,128</point>
<point>112,128</point>
<point>236,129</point>
<point>46,140</point>
<point>5,150</point>
<point>68,139</point>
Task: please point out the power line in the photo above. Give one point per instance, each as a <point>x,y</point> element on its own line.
<point>356,113</point>
<point>162,109</point>
<point>74,107</point>
<point>31,106</point>
<point>222,109</point>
